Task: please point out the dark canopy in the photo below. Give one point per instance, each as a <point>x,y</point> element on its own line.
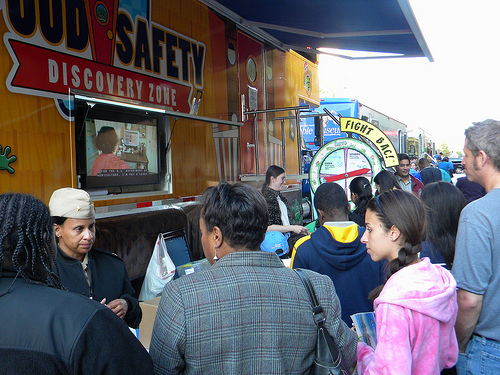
<point>385,26</point>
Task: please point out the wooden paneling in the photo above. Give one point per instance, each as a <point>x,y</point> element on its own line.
<point>38,136</point>
<point>43,140</point>
<point>193,153</point>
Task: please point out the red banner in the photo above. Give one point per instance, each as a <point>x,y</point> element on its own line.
<point>58,72</point>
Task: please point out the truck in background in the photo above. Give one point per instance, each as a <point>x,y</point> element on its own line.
<point>395,130</point>
<point>414,142</point>
<point>180,105</point>
<point>420,143</point>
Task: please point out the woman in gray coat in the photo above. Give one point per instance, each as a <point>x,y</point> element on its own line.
<point>248,313</point>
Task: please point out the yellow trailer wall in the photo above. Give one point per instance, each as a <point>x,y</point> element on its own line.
<point>44,141</point>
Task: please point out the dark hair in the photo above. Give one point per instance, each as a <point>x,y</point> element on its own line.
<point>26,235</point>
<point>331,198</point>
<point>423,163</point>
<point>407,213</point>
<point>273,171</point>
<point>403,157</point>
<point>444,203</point>
<point>445,159</point>
<point>106,140</point>
<point>240,212</point>
<point>386,180</point>
<point>59,220</point>
<point>362,188</point>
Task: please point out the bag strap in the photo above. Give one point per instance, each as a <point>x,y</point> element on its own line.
<point>319,318</point>
<point>318,313</point>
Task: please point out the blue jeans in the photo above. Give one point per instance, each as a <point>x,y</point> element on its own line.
<point>482,356</point>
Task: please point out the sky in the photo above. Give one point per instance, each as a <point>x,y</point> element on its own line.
<point>443,97</point>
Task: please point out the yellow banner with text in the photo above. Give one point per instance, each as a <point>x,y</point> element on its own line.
<point>374,135</point>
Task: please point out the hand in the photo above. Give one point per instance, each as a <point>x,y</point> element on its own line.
<point>103,302</point>
<point>5,161</point>
<point>353,328</point>
<point>299,229</point>
<point>119,307</point>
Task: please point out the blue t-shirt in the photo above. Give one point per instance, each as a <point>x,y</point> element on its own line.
<point>446,166</point>
<point>476,266</point>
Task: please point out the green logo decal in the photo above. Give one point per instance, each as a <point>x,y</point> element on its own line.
<point>5,160</point>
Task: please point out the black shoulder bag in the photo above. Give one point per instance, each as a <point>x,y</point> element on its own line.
<point>327,358</point>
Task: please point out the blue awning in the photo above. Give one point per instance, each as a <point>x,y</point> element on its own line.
<point>384,26</point>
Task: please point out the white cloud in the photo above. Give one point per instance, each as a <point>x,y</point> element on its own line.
<point>444,97</point>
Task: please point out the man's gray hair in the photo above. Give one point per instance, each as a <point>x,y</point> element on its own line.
<point>485,135</point>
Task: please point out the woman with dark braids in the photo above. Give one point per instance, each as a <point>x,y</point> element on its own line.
<point>416,308</point>
<point>45,329</point>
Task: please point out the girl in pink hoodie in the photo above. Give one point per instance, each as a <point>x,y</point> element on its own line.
<point>416,309</point>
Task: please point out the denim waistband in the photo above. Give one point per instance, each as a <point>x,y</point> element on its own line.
<point>484,340</point>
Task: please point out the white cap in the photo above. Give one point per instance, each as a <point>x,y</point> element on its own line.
<point>72,204</point>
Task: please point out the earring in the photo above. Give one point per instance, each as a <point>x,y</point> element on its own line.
<point>216,258</point>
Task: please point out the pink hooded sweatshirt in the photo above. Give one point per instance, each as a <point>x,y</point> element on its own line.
<point>415,315</point>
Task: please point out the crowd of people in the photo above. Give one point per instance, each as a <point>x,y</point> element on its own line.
<point>422,255</point>
<point>46,327</point>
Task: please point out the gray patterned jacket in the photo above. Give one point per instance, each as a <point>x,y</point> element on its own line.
<point>247,314</point>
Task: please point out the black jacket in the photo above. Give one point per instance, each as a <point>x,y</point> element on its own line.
<point>430,174</point>
<point>108,279</point>
<point>273,207</point>
<point>44,330</point>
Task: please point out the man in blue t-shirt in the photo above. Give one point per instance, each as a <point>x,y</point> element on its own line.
<point>446,165</point>
<point>476,266</point>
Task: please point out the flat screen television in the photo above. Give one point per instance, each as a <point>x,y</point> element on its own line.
<point>117,146</point>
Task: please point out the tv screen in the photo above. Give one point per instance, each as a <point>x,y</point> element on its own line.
<point>116,148</point>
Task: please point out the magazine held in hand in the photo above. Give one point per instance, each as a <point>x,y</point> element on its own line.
<point>366,327</point>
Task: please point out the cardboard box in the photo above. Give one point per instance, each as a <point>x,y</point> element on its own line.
<point>149,309</point>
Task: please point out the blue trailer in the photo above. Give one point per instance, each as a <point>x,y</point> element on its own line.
<point>395,130</point>
<point>344,107</point>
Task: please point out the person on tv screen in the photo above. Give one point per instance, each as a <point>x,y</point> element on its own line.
<point>107,142</point>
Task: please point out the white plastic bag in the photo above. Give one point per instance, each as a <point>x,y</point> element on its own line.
<point>160,271</point>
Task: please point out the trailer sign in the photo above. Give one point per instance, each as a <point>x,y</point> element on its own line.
<point>96,47</point>
<point>375,135</point>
